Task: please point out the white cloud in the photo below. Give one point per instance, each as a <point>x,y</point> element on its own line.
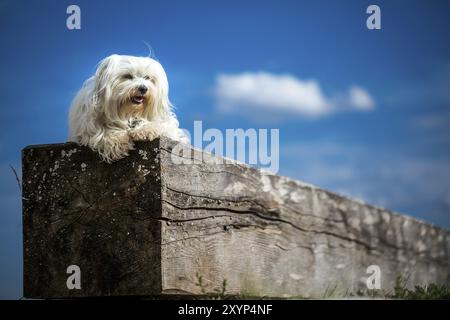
<point>284,94</point>
<point>360,99</point>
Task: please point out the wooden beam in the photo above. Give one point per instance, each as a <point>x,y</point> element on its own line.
<point>166,221</point>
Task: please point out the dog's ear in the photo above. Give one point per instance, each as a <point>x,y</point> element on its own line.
<point>162,103</point>
<point>105,68</point>
<point>162,107</point>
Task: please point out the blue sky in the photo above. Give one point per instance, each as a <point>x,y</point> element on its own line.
<point>390,148</point>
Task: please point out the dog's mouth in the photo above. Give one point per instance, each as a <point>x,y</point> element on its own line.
<point>137,99</point>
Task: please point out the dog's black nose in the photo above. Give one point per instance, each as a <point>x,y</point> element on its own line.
<point>142,89</point>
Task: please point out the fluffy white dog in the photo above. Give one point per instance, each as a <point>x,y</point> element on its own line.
<point>126,100</point>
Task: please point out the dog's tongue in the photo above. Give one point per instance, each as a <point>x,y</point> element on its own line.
<point>137,99</point>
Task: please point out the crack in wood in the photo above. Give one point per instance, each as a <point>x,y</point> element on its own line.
<point>259,215</point>
<point>256,203</point>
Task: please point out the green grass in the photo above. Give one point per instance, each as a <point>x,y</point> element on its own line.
<point>219,293</point>
<point>400,291</point>
<point>427,292</point>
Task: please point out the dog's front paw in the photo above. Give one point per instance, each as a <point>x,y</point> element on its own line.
<point>144,132</point>
<point>114,147</point>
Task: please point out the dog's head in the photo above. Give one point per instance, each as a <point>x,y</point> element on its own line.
<point>127,87</point>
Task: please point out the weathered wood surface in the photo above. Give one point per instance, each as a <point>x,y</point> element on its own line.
<point>148,225</point>
<point>80,211</point>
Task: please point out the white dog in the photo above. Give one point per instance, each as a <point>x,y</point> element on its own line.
<point>126,100</point>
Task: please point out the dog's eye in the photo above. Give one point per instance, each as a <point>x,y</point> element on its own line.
<point>153,80</point>
<point>128,76</point>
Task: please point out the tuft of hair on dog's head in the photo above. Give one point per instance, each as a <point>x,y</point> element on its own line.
<point>129,87</point>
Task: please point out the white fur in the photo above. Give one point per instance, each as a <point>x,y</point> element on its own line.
<point>104,117</point>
